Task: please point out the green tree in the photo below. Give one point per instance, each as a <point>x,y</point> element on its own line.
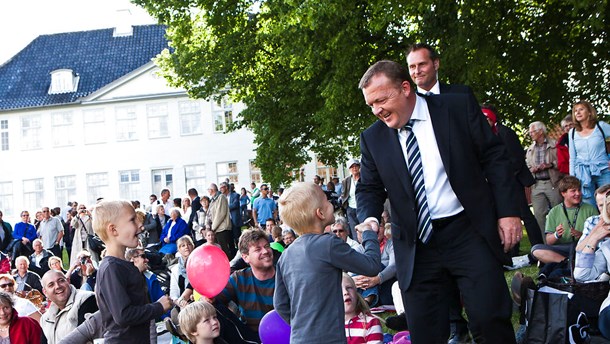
<point>296,64</point>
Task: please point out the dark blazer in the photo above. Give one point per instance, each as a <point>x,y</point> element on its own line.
<point>234,209</point>
<point>476,165</point>
<point>44,262</point>
<point>516,154</point>
<point>195,205</point>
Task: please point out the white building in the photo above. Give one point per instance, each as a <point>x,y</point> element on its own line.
<point>84,115</point>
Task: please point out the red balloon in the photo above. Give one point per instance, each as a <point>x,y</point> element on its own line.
<point>208,270</point>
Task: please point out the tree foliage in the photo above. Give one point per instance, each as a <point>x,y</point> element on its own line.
<point>296,64</point>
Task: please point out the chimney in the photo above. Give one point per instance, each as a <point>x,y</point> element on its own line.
<point>123,24</point>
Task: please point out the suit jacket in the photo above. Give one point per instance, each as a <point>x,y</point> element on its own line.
<point>234,209</point>
<point>516,155</point>
<point>346,185</point>
<point>195,205</point>
<point>476,164</point>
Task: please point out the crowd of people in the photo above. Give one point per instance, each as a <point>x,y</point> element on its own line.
<point>322,255</point>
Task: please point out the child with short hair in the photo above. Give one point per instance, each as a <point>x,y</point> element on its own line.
<point>199,323</point>
<point>308,274</point>
<point>361,327</point>
<point>277,244</point>
<point>121,288</point>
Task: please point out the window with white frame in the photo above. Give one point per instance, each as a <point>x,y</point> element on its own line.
<point>195,177</point>
<point>33,193</point>
<point>157,117</point>
<point>62,128</point>
<point>255,173</point>
<point>94,126</point>
<point>162,178</point>
<point>223,115</point>
<point>97,186</point>
<point>129,184</point>
<point>4,134</point>
<point>227,170</point>
<point>6,198</point>
<point>126,123</point>
<point>65,189</point>
<point>30,132</point>
<point>190,117</point>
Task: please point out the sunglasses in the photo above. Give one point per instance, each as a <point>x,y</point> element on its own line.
<point>4,285</point>
<point>338,230</point>
<point>143,256</point>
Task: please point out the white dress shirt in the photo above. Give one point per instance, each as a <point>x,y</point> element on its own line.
<point>442,200</point>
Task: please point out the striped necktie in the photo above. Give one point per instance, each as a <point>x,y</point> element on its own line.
<point>414,163</point>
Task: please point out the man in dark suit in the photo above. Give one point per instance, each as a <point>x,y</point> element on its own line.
<point>423,63</point>
<point>195,205</point>
<point>348,193</point>
<point>468,199</point>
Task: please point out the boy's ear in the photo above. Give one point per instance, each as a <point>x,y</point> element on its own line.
<point>111,229</point>
<point>320,215</point>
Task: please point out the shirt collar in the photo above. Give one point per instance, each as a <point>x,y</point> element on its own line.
<point>436,89</point>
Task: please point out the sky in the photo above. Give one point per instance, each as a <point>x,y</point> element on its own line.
<point>21,21</point>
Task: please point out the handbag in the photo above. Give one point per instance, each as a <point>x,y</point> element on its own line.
<point>95,243</point>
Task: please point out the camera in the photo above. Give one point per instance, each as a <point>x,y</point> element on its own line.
<point>83,211</point>
<point>83,260</point>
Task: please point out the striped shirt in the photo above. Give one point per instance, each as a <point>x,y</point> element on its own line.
<point>253,297</point>
<point>363,329</point>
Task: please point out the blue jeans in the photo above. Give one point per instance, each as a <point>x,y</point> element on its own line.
<point>596,182</point>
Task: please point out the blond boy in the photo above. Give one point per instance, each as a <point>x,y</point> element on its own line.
<point>121,288</point>
<point>308,275</point>
<point>199,323</point>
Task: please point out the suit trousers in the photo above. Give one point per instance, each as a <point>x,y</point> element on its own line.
<point>352,221</point>
<point>457,252</point>
<point>544,197</point>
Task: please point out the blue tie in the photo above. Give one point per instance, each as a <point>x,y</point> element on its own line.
<point>416,171</point>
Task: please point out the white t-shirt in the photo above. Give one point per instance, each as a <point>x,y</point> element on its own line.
<point>24,307</point>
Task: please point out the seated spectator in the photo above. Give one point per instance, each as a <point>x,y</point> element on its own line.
<point>83,274</point>
<point>378,289</point>
<point>593,249</point>
<point>172,231</point>
<point>251,289</point>
<point>179,279</point>
<point>26,280</point>
<point>199,323</point>
<point>39,260</point>
<point>341,229</point>
<point>24,307</point>
<point>278,243</point>
<point>56,264</point>
<point>68,306</point>
<point>564,224</point>
<point>5,263</point>
<point>360,325</point>
<point>17,329</point>
<point>160,219</point>
<point>289,236</point>
<point>23,236</point>
<point>139,259</point>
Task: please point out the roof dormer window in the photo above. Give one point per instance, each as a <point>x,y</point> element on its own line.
<point>63,81</point>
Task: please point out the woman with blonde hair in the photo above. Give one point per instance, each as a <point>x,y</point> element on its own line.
<point>588,144</point>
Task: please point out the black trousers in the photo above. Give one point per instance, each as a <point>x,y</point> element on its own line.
<point>457,252</point>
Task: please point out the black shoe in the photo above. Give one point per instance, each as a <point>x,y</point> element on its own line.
<point>174,330</point>
<point>459,338</point>
<point>397,322</point>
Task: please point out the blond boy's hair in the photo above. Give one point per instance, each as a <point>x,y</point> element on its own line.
<point>106,213</point>
<point>191,315</point>
<point>298,206</point>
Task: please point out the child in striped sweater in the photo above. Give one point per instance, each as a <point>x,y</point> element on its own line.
<point>361,327</point>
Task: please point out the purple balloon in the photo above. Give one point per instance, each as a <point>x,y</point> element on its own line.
<point>273,329</point>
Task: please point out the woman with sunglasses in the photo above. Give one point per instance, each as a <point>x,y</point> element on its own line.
<point>24,307</point>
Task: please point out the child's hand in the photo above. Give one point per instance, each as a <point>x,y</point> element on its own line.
<point>166,302</point>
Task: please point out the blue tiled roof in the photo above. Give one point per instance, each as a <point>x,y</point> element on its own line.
<point>96,56</point>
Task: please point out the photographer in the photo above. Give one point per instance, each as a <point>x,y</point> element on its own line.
<point>83,273</point>
<point>82,225</point>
